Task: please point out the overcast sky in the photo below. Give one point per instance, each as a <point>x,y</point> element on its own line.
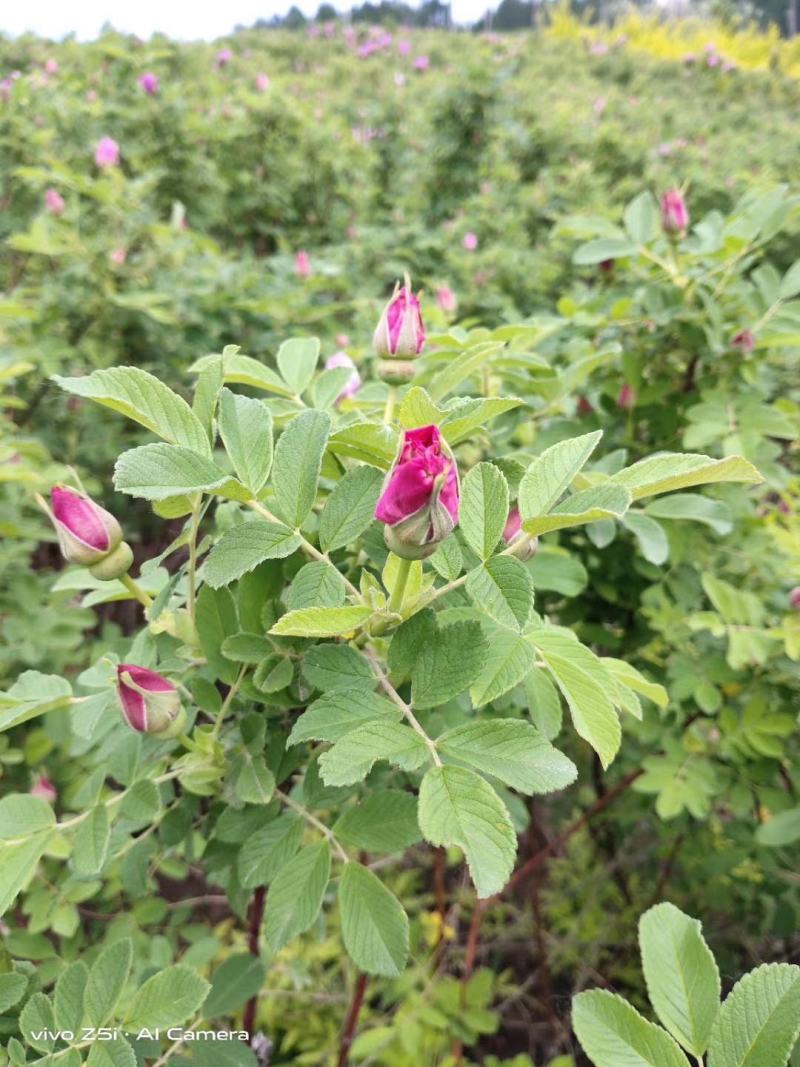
<point>186,19</point>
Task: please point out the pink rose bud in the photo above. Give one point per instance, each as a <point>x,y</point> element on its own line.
<point>523,544</point>
<point>584,405</point>
<point>302,265</point>
<point>149,82</point>
<point>421,63</point>
<point>794,598</point>
<point>54,202</point>
<point>744,341</point>
<point>420,497</point>
<point>446,299</point>
<point>45,789</point>
<point>86,532</point>
<point>150,704</point>
<point>223,57</point>
<point>51,66</point>
<point>107,152</point>
<point>353,383</point>
<point>674,213</point>
<point>400,332</point>
<point>513,526</point>
<point>470,241</point>
<point>262,82</point>
<point>627,398</point>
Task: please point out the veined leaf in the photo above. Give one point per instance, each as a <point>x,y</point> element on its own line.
<point>502,587</point>
<point>321,622</point>
<point>297,360</point>
<point>340,711</point>
<point>353,756</point>
<point>385,821</point>
<point>759,1022</point>
<point>245,426</point>
<point>298,460</point>
<point>604,501</point>
<point>296,893</point>
<point>484,508</point>
<point>244,370</point>
<point>667,471</point>
<point>244,546</point>
<point>350,508</point>
<point>374,924</point>
<point>159,471</point>
<point>448,664</point>
<point>509,660</point>
<point>614,1034</point>
<point>550,474</point>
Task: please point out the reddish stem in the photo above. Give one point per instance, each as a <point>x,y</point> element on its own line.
<point>254,929</point>
<point>351,1022</point>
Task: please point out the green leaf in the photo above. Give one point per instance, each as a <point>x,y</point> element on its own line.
<point>782,829</point>
<point>339,711</point>
<point>511,750</point>
<point>90,847</point>
<point>321,622</point>
<point>374,924</point>
<point>550,474</point>
<point>244,370</point>
<point>297,360</point>
<point>589,505</point>
<point>32,695</point>
<point>553,568</point>
<point>296,893</point>
<point>641,218</point>
<point>21,815</point>
<point>244,546</point>
<point>652,539</point>
<point>509,661</point>
<point>145,399</point>
<point>336,666</point>
<point>668,471</point>
<point>254,782</point>
<point>448,559</point>
<point>544,703</point>
<point>633,679</point>
<point>353,756</point>
<point>159,471</point>
<point>409,640</point>
<point>374,443</point>
<point>114,1053</point>
<point>458,807</point>
<point>35,1017</point>
<point>13,985</point>
<point>142,803</point>
<point>350,508</point>
<point>263,855</point>
<point>759,1022</point>
<point>790,283</point>
<point>502,587</point>
<point>695,508</point>
<point>417,409</point>
<point>484,508</point>
<point>107,977</point>
<point>316,584</point>
<point>216,619</point>
<point>682,977</point>
<point>601,249</point>
<point>448,664</point>
<point>233,983</point>
<point>614,1034</point>
<point>581,678</point>
<point>298,460</point>
<point>167,999</point>
<point>245,426</point>
<point>385,821</point>
<point>68,996</point>
<point>469,414</point>
<point>246,648</point>
<point>206,395</point>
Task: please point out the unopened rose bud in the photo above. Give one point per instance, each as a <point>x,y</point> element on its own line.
<point>353,383</point>
<point>86,532</point>
<point>627,398</point>
<point>522,544</point>
<point>400,333</point>
<point>744,341</point>
<point>302,265</point>
<point>794,598</point>
<point>420,498</point>
<point>45,789</point>
<point>150,704</point>
<point>674,213</point>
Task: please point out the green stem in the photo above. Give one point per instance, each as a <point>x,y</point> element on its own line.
<point>192,568</point>
<point>223,711</point>
<point>399,589</point>
<point>391,400</point>
<point>133,587</point>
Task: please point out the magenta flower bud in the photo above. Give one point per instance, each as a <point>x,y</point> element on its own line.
<point>794,598</point>
<point>627,398</point>
<point>674,213</point>
<point>45,789</point>
<point>107,152</point>
<point>584,405</point>
<point>223,57</point>
<point>149,82</point>
<point>470,241</point>
<point>54,202</point>
<point>302,264</point>
<point>420,498</point>
<point>513,525</point>
<point>421,63</point>
<point>522,544</point>
<point>744,341</point>
<point>400,331</point>
<point>446,299</point>
<point>353,383</point>
<point>150,704</point>
<point>86,532</point>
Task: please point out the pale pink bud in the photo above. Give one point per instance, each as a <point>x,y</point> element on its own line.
<point>107,152</point>
<point>446,299</point>
<point>302,265</point>
<point>118,256</point>
<point>262,82</point>
<point>744,341</point>
<point>223,57</point>
<point>86,532</point>
<point>353,383</point>
<point>470,241</point>
<point>674,213</point>
<point>54,202</point>
<point>45,789</point>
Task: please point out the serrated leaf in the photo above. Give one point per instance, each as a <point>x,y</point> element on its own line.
<point>298,460</point>
<point>374,443</point>
<point>668,471</point>
<point>695,508</point>
<point>409,640</point>
<point>340,711</point>
<point>581,679</point>
<point>448,559</point>
<point>145,399</point>
<point>417,409</point>
<point>484,508</point>
<point>107,977</point>
<point>13,985</point>
<point>682,977</point>
<point>36,1023</point>
<point>68,996</point>
<point>589,505</point>
<point>167,999</point>
<point>159,471</point>
<point>502,587</point>
<point>448,664</point>
<point>385,821</point>
<point>471,414</point>
<point>253,781</point>
<point>297,360</point>
<point>90,847</point>
<point>317,584</point>
<point>22,814</point>
<point>246,648</point>
<point>650,535</point>
<point>336,666</point>
<point>458,807</point>
<point>352,757</point>
<point>244,370</point>
<point>245,426</point>
<point>633,679</point>
<point>142,803</point>
<point>233,983</point>
<point>18,864</point>
<point>759,1022</point>
<point>600,249</point>
<point>544,703</point>
<point>550,474</point>
<point>509,661</point>
<point>350,508</point>
<point>215,620</point>
<point>114,1053</point>
<point>374,924</point>
<point>512,751</point>
<point>244,546</point>
<point>296,893</point>
<point>263,855</point>
<point>614,1034</point>
<point>321,622</point>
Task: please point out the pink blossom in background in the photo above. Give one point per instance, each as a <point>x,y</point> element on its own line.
<point>302,264</point>
<point>664,149</point>
<point>107,152</point>
<point>44,789</point>
<point>584,405</point>
<point>54,202</point>
<point>599,106</point>
<point>794,597</point>
<point>353,383</point>
<point>404,47</point>
<point>51,66</point>
<point>6,86</point>
<point>262,82</point>
<point>713,59</point>
<point>446,299</point>
<point>149,82</point>
<point>744,341</point>
<point>223,57</point>
<point>689,58</point>
<point>342,340</point>
<point>118,256</point>
<point>399,79</point>
<point>674,213</point>
<point>599,48</point>
<point>486,188</point>
<point>421,63</point>
<point>91,96</point>
<point>470,241</point>
<point>627,398</point>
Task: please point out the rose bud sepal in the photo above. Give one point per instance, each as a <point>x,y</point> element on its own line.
<point>150,704</point>
<point>115,565</point>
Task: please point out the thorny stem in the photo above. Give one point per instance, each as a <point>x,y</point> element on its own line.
<point>312,820</point>
<point>394,696</point>
<point>399,589</point>
<point>133,587</point>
